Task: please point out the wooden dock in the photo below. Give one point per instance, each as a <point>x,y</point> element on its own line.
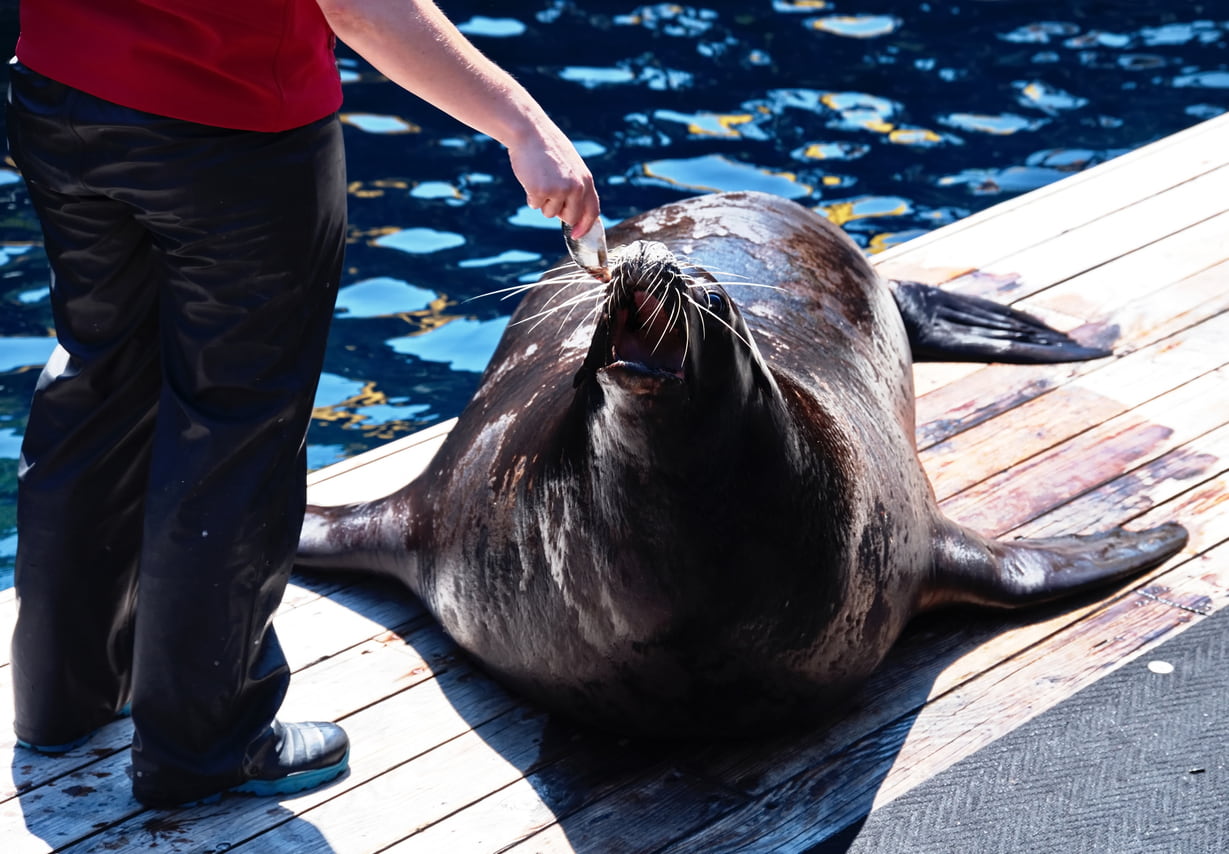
<point>1133,253</point>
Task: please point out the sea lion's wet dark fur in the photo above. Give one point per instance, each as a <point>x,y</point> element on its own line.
<point>700,509</point>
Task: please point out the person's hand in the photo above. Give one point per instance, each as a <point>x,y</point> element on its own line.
<point>556,180</point>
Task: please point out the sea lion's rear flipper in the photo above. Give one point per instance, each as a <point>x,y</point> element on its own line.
<point>950,327</point>
<point>969,568</point>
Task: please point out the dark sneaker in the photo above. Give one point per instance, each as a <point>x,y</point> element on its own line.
<point>56,749</point>
<point>291,758</point>
<point>302,756</point>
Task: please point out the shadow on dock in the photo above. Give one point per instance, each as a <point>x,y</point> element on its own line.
<point>594,792</point>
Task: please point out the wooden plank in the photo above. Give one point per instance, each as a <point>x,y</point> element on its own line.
<point>50,809</point>
<point>354,616</point>
<point>1010,498</point>
<point>928,376</point>
<point>427,712</point>
<point>668,802</point>
<point>1035,218</point>
<point>1049,210</point>
<point>1102,240</point>
<point>377,472</point>
<point>1112,241</point>
<point>1100,293</point>
<point>1177,254</point>
<point>418,793</point>
<point>1187,499</point>
<point>1036,425</point>
<point>986,392</point>
<point>1201,586</point>
<point>430,713</point>
<point>1161,489</point>
<point>1138,489</point>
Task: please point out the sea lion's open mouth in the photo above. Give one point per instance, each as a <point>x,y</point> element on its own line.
<point>641,337</point>
<point>649,334</point>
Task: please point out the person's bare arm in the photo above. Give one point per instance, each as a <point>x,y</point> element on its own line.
<point>413,44</point>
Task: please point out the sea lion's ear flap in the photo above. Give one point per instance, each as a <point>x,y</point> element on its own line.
<point>950,327</point>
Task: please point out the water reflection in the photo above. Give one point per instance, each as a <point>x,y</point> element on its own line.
<point>715,173</point>
<point>892,119</point>
<point>856,26</point>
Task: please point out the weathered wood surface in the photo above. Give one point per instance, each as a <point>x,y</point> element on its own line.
<point>1134,253</point>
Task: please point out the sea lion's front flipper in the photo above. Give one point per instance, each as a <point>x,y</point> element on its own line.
<point>969,568</point>
<point>370,537</point>
<point>950,327</point>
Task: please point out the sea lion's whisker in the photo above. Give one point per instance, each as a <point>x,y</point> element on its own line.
<point>686,331</point>
<point>708,272</point>
<point>653,285</point>
<point>592,313</point>
<point>590,316</point>
<point>670,321</point>
<point>507,292</point>
<point>750,285</point>
<point>716,276</point>
<point>703,328</point>
<point>572,301</point>
<point>551,298</point>
<point>542,316</point>
<point>661,304</point>
<point>579,299</point>
<point>706,310</point>
<point>575,277</point>
<point>572,269</point>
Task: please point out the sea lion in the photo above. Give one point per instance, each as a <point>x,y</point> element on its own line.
<point>678,507</point>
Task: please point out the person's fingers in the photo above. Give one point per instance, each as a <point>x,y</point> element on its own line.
<point>572,208</point>
<point>580,227</point>
<point>581,208</point>
<point>551,207</point>
<point>579,215</point>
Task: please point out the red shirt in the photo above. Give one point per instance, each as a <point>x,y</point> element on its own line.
<point>264,65</point>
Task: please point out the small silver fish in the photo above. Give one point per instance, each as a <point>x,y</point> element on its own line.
<point>589,252</point>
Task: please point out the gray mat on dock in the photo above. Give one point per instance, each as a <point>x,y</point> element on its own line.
<point>1138,761</point>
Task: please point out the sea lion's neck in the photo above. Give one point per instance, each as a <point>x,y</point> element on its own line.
<point>682,432</point>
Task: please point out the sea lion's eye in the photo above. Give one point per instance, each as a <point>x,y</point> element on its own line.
<point>716,302</point>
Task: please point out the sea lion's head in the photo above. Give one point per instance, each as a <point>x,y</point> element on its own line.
<point>668,330</point>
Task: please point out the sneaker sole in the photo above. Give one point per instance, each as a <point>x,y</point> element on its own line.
<point>56,749</point>
<point>292,783</point>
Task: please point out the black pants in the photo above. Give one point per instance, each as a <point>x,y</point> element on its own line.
<point>161,485</point>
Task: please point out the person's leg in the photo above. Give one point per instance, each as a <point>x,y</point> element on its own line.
<point>248,245</point>
<point>86,446</point>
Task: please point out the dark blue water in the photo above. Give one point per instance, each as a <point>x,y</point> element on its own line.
<point>893,118</point>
